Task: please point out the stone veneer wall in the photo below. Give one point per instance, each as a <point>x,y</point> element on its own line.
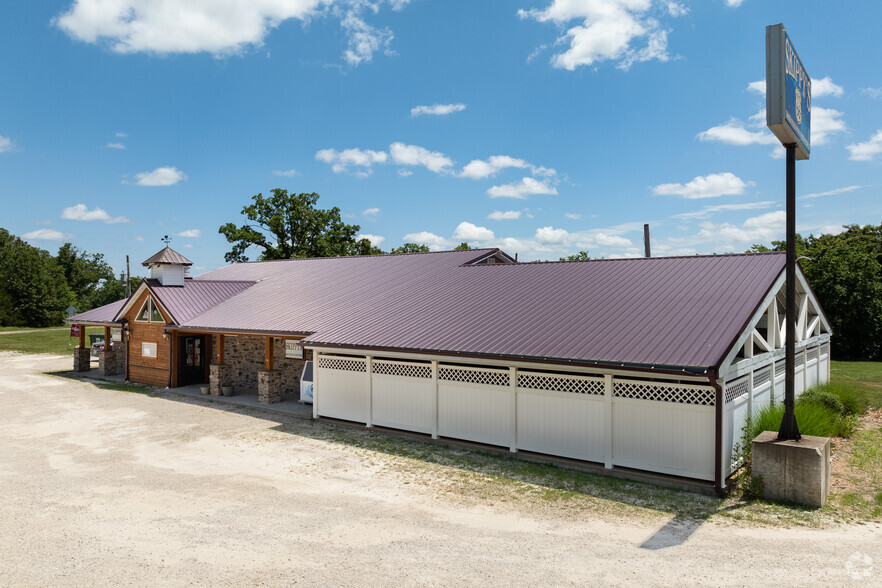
<point>245,356</point>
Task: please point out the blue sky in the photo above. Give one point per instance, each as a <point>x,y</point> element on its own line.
<point>543,127</point>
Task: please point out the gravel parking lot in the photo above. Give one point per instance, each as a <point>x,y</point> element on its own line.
<point>109,487</point>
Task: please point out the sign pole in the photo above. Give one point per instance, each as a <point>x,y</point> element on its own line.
<point>789,430</point>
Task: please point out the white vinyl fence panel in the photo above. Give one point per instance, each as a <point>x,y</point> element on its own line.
<point>344,387</point>
<point>403,396</point>
<point>561,415</point>
<point>475,404</point>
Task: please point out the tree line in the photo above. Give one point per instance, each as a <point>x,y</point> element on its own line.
<point>37,287</point>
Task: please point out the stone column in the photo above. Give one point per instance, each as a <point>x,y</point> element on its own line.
<point>217,375</point>
<point>107,363</point>
<point>269,386</point>
<point>82,359</point>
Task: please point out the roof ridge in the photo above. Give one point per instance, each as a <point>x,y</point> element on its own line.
<point>364,256</point>
<point>611,259</point>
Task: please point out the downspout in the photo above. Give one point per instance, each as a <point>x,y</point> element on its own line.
<point>718,433</point>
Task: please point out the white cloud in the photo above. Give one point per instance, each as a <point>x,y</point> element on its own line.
<point>46,235</point>
<point>286,173</point>
<point>190,233</point>
<point>5,144</point>
<point>219,28</point>
<point>188,245</point>
<point>607,30</point>
<point>131,26</point>
<point>363,39</point>
<point>551,235</point>
<point>161,176</point>
<point>820,88</point>
<point>831,192</point>
<point>868,150</point>
<point>572,215</point>
<point>478,169</point>
<point>342,160</point>
<point>825,87</point>
<point>675,9</point>
<point>709,186</point>
<point>469,232</point>
<point>433,241</point>
<point>415,155</point>
<point>708,211</point>
<point>526,187</point>
<point>81,212</point>
<point>376,240</point>
<point>763,228</point>
<point>825,122</point>
<point>404,173</point>
<point>437,109</point>
<point>122,135</point>
<point>370,213</point>
<point>734,3</point>
<point>505,215</point>
<point>605,240</point>
<point>872,92</point>
<point>139,238</point>
<point>116,146</point>
<point>735,132</point>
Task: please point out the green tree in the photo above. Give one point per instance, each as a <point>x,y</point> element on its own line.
<point>847,280</point>
<point>464,246</point>
<point>580,256</point>
<point>410,248</point>
<point>85,275</point>
<point>33,290</point>
<point>285,226</point>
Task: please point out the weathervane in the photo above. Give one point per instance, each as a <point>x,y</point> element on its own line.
<point>166,239</point>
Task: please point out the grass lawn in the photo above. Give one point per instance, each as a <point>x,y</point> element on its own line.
<point>864,378</point>
<point>50,340</point>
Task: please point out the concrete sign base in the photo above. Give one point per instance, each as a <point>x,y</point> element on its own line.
<point>792,471</point>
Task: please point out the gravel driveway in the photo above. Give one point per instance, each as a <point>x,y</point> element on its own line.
<point>107,487</point>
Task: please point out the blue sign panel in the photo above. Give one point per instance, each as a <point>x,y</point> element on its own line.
<point>797,95</point>
<point>788,92</point>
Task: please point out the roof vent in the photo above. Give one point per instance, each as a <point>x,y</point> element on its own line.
<point>168,266</point>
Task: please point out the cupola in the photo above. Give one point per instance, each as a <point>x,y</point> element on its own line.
<point>168,266</point>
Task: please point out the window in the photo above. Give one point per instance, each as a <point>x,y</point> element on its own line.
<point>148,349</point>
<point>144,314</point>
<point>149,312</point>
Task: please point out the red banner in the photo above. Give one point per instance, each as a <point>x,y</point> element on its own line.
<point>75,330</point>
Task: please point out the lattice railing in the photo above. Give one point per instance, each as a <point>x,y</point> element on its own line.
<point>736,389</point>
<point>403,369</point>
<point>468,375</point>
<point>343,364</point>
<point>660,392</point>
<point>574,384</point>
<point>762,376</point>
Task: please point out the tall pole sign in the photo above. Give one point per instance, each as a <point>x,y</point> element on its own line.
<point>789,117</point>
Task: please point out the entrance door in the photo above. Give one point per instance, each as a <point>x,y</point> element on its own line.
<point>191,361</point>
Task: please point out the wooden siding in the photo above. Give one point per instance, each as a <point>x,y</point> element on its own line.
<point>147,370</point>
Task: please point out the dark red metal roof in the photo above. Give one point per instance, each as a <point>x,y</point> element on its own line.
<point>102,314</point>
<point>196,296</point>
<point>681,311</point>
<point>167,255</point>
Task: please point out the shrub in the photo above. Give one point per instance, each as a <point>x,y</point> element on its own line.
<point>822,395</point>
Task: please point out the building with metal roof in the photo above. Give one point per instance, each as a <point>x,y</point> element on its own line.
<point>650,363</point>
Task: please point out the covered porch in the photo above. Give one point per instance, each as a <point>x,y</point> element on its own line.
<point>266,367</point>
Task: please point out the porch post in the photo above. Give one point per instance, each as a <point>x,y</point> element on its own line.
<point>220,349</point>
<point>82,360</point>
<point>269,354</point>
<point>107,359</point>
<point>269,381</point>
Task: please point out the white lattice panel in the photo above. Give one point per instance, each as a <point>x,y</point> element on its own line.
<point>343,364</point>
<point>404,370</point>
<point>762,376</point>
<point>663,392</point>
<point>474,376</point>
<point>574,384</point>
<point>736,389</point>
